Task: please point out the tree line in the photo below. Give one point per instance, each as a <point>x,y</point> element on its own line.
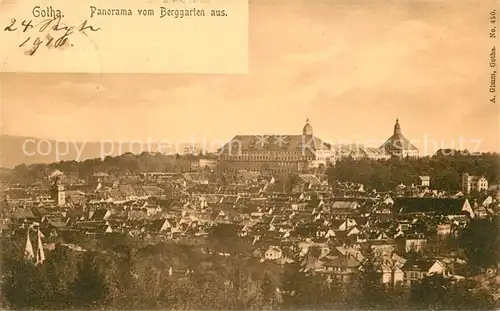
<point>445,171</point>
<point>118,273</point>
<point>122,283</point>
<point>119,165</point>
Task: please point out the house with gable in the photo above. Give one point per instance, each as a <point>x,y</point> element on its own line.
<point>342,268</point>
<point>160,225</point>
<point>435,206</point>
<point>425,181</point>
<point>347,224</point>
<point>389,268</point>
<point>414,271</point>
<point>99,214</point>
<point>411,243</point>
<point>273,253</point>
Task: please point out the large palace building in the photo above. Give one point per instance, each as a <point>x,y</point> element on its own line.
<point>298,153</point>
<point>274,153</point>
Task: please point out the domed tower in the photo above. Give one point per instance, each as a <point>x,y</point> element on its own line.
<point>308,129</point>
<point>397,145</point>
<point>397,128</point>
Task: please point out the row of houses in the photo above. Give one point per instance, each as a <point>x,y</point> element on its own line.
<point>333,229</point>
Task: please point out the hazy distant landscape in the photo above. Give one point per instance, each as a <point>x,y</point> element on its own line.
<point>17,150</point>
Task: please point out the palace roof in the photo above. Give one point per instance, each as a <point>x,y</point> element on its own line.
<point>275,143</point>
<point>397,141</point>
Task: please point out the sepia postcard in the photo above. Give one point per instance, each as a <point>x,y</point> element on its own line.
<point>249,155</point>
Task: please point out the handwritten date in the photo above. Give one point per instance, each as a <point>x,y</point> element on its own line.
<point>56,34</point>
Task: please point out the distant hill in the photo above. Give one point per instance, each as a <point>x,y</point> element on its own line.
<point>114,165</point>
<point>17,150</point>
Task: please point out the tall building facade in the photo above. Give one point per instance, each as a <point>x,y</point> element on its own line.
<point>58,193</point>
<point>473,183</point>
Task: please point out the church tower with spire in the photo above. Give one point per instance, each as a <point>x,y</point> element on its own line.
<point>308,129</point>
<point>58,192</point>
<point>397,127</point>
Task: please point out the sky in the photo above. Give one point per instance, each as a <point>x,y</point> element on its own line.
<point>352,68</point>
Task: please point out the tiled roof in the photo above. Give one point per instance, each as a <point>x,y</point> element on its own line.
<point>309,178</point>
<point>248,175</point>
<point>23,213</point>
<point>359,151</point>
<point>281,142</point>
<point>398,142</point>
<point>56,173</point>
<point>99,214</point>
<point>374,151</point>
<point>341,261</point>
<point>100,174</point>
<point>443,206</point>
<point>419,265</point>
<point>152,190</point>
<point>344,204</point>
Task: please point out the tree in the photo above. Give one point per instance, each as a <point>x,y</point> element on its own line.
<point>396,297</point>
<point>440,292</point>
<point>22,285</point>
<point>480,241</point>
<point>22,173</point>
<point>124,279</point>
<point>89,289</point>
<point>430,293</point>
<point>445,171</point>
<point>268,292</point>
<point>315,252</point>
<point>321,168</point>
<point>304,291</point>
<point>264,168</point>
<point>371,291</point>
<point>292,182</point>
<point>58,273</point>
